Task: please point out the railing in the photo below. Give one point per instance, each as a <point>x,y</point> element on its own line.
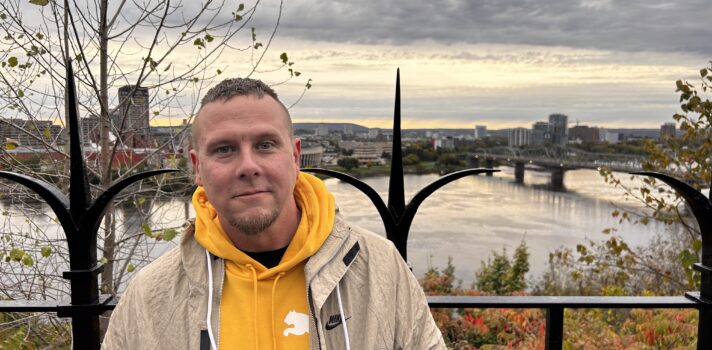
<point>80,218</point>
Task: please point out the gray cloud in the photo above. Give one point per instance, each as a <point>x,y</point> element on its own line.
<point>629,25</point>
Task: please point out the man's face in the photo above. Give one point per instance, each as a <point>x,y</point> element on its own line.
<point>246,160</point>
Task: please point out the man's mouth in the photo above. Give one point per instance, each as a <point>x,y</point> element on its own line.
<point>250,194</point>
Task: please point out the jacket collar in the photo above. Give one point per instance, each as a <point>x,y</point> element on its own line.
<point>322,272</point>
<point>325,269</point>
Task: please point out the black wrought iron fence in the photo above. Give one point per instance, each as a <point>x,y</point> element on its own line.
<point>80,218</point>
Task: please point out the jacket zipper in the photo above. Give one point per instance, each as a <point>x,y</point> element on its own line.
<point>311,307</point>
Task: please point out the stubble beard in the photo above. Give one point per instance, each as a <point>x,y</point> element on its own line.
<point>256,224</point>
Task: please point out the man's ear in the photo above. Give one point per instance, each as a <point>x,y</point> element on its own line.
<point>297,151</point>
<point>196,168</point>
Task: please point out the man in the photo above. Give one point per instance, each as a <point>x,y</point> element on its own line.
<point>268,263</point>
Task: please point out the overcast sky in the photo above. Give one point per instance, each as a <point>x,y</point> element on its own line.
<point>496,62</point>
<point>502,63</point>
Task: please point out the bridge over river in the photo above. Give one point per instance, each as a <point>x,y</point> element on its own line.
<point>554,159</point>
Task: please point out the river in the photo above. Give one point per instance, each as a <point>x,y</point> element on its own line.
<point>465,220</point>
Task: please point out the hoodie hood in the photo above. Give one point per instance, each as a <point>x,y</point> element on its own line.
<point>317,219</point>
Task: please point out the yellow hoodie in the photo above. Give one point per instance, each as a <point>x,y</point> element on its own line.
<point>267,308</point>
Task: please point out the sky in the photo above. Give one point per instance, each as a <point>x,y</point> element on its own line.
<point>501,63</point>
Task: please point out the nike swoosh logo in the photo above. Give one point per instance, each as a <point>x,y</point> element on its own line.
<point>334,321</point>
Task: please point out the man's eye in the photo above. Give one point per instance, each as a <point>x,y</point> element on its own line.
<point>265,145</point>
<point>223,149</point>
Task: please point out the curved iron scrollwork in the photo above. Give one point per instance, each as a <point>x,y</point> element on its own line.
<point>397,216</point>
<point>80,218</point>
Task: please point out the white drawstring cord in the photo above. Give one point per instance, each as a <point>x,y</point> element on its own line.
<point>210,301</point>
<point>343,317</point>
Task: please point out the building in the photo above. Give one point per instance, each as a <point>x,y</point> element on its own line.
<point>369,153</point>
<point>348,129</point>
<point>131,118</point>
<point>480,132</point>
<point>91,129</point>
<point>519,137</point>
<point>559,128</point>
<point>447,143</point>
<point>584,134</point>
<point>175,139</point>
<point>667,131</point>
<point>612,137</point>
<point>540,134</point>
<point>32,133</point>
<point>322,130</point>
<point>311,156</point>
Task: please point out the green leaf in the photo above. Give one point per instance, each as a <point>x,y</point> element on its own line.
<point>209,38</point>
<point>283,57</point>
<point>12,61</point>
<point>16,254</point>
<point>219,71</point>
<point>27,260</point>
<point>103,260</point>
<point>46,251</point>
<point>238,18</point>
<point>703,72</point>
<point>3,16</point>
<point>39,2</point>
<point>169,234</point>
<point>20,93</point>
<point>147,230</point>
<point>141,200</point>
<point>131,268</point>
<point>240,7</point>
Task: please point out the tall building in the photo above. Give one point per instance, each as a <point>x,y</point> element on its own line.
<point>667,131</point>
<point>131,121</point>
<point>480,132</point>
<point>559,128</point>
<point>519,137</point>
<point>540,134</point>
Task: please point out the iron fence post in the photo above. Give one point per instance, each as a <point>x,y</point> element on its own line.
<point>554,328</point>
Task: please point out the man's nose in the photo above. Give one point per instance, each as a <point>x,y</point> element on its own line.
<point>248,165</point>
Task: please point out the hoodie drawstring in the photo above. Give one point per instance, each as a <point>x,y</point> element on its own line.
<point>343,317</point>
<point>274,287</point>
<point>210,301</point>
<point>254,301</point>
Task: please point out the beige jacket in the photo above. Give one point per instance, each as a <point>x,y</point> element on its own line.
<point>165,305</point>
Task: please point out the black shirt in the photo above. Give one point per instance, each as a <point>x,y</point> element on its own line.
<point>269,259</point>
